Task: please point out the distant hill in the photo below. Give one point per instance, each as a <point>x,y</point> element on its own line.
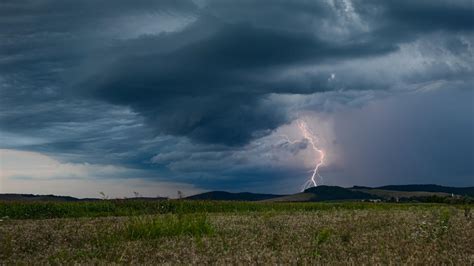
<point>223,195</point>
<point>337,193</point>
<point>418,193</point>
<point>462,191</point>
<point>32,197</point>
<point>394,194</point>
<point>298,197</point>
<point>326,193</point>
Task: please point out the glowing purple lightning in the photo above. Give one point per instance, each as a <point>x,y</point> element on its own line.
<point>312,139</point>
<point>307,134</point>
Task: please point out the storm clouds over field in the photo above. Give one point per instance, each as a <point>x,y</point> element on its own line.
<point>156,96</point>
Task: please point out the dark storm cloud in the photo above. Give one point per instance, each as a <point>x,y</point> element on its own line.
<point>42,38</point>
<point>425,15</point>
<point>42,42</point>
<point>214,90</point>
<point>209,82</point>
<point>211,88</point>
<point>122,82</point>
<point>52,16</point>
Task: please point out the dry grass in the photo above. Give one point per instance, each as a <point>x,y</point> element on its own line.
<point>437,235</point>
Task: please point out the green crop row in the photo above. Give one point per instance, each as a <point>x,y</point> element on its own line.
<point>101,208</point>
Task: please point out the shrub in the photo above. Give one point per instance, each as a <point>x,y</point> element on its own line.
<point>168,225</point>
<point>322,236</point>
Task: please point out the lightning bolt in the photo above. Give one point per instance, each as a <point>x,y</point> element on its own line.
<point>312,139</point>
<point>308,135</point>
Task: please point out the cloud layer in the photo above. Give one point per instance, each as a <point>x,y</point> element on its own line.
<point>200,91</point>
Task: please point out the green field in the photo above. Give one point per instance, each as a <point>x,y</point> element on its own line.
<point>184,232</point>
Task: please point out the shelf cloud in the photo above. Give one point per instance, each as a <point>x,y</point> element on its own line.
<point>200,92</point>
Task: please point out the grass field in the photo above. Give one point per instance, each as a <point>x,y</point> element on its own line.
<point>183,232</point>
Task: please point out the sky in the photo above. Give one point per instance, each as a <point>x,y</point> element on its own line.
<point>155,97</point>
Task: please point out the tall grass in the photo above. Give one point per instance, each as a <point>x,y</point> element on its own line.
<point>100,208</point>
<point>168,225</point>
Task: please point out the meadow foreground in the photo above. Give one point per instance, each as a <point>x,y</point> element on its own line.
<point>332,234</point>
